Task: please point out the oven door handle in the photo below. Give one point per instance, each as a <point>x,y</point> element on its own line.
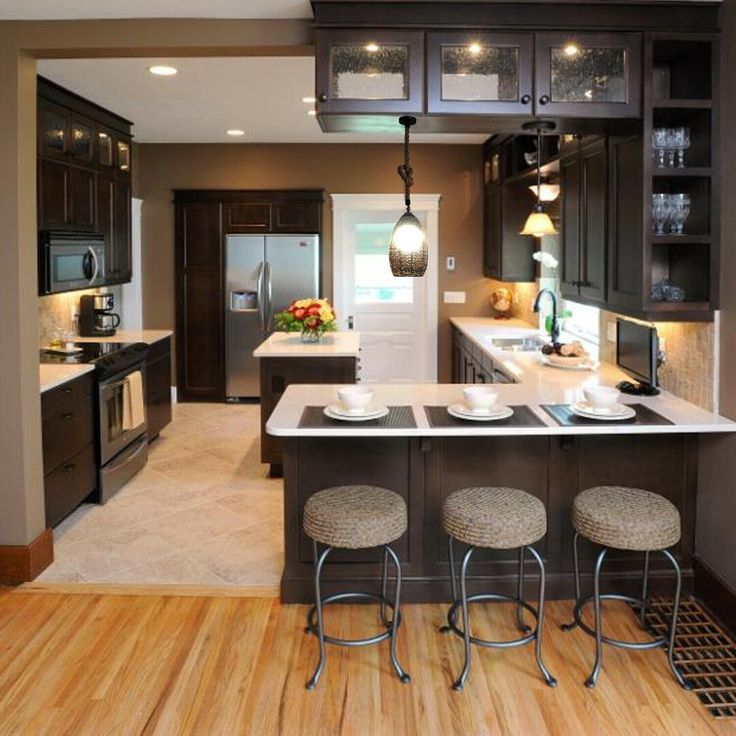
<point>127,456</point>
<point>107,387</point>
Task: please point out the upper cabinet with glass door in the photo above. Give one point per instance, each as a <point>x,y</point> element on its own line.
<point>481,73</point>
<point>370,71</point>
<point>588,75</point>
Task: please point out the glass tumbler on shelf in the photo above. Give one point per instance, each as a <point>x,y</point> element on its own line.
<point>679,212</point>
<point>660,212</point>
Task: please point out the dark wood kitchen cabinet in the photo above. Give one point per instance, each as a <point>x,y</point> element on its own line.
<point>70,472</point>
<point>583,225</point>
<point>158,386</point>
<point>84,173</point>
<point>203,219</point>
<point>470,364</point>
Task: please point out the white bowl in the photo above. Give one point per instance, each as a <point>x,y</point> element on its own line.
<point>601,397</point>
<point>355,399</point>
<point>480,399</point>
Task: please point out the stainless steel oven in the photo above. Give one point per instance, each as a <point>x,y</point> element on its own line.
<point>69,261</point>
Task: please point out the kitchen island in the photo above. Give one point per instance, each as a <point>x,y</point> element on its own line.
<point>424,458</point>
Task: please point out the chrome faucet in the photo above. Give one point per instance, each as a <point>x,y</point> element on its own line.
<point>555,328</point>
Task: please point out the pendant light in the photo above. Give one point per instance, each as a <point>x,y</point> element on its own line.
<point>538,223</point>
<point>408,249</point>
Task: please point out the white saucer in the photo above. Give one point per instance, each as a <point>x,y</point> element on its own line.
<point>335,411</point>
<point>460,411</point>
<point>617,412</point>
<point>63,350</point>
<point>588,365</point>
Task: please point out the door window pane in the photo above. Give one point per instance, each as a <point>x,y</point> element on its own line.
<point>81,141</point>
<point>374,282</point>
<point>54,130</point>
<point>104,147</point>
<point>369,72</point>
<point>581,74</point>
<point>123,156</point>
<point>476,72</point>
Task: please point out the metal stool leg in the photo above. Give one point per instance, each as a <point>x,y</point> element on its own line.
<point>673,622</point>
<point>643,611</point>
<point>551,681</point>
<point>453,582</point>
<point>384,589</point>
<point>520,595</point>
<point>318,603</point>
<point>460,682</point>
<point>576,569</point>
<point>403,676</point>
<point>591,681</point>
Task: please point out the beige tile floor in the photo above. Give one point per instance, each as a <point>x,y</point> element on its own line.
<point>202,512</point>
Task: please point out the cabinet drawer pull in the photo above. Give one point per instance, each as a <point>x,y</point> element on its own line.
<point>67,390</point>
<point>68,415</point>
<point>323,97</point>
<point>544,100</point>
<point>526,99</point>
<point>68,468</point>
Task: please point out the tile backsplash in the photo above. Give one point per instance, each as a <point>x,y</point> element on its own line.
<point>56,312</point>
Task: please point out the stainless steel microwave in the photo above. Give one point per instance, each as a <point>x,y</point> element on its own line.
<point>69,261</point>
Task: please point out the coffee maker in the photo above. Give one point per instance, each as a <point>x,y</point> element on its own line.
<point>96,318</point>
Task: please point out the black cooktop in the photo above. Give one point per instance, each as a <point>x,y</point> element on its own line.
<point>107,357</point>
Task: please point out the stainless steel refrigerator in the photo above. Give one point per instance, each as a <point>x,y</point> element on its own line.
<point>263,275</point>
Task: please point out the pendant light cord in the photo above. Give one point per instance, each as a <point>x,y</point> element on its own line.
<point>405,171</point>
<point>539,167</point>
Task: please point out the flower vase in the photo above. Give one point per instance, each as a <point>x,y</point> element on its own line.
<point>311,336</point>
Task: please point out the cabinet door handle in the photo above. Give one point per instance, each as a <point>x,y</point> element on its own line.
<point>544,100</point>
<point>322,97</point>
<point>68,415</point>
<point>70,467</point>
<point>67,390</point>
<point>525,99</point>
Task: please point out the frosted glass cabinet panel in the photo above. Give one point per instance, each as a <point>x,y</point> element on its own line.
<point>370,71</point>
<point>593,74</point>
<point>479,72</point>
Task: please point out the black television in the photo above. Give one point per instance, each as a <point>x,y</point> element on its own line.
<point>637,352</point>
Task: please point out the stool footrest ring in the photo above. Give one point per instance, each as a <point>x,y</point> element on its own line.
<point>313,628</point>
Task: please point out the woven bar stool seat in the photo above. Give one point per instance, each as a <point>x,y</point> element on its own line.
<point>355,517</point>
<point>497,518</point>
<point>626,518</point>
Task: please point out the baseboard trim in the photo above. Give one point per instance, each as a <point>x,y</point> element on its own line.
<point>716,594</point>
<point>22,563</point>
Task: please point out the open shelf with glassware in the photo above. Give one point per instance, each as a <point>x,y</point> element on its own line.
<point>680,181</point>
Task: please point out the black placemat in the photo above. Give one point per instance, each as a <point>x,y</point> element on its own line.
<point>523,416</point>
<point>563,415</point>
<point>398,417</point>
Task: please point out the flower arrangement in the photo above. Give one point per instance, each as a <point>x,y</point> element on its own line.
<point>311,317</point>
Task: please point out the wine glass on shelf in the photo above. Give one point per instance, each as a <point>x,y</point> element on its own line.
<point>660,212</point>
<point>681,143</point>
<point>659,144</point>
<point>680,211</point>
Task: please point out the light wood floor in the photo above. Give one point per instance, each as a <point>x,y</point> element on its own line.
<point>105,664</point>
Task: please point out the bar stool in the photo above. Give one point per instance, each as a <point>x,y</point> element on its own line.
<point>495,518</point>
<point>616,517</point>
<point>355,517</point>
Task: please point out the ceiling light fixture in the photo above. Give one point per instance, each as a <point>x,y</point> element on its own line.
<point>547,192</point>
<point>162,70</point>
<point>311,112</point>
<point>538,224</point>
<point>309,100</point>
<point>372,47</point>
<point>235,132</point>
<point>571,49</point>
<point>408,249</point>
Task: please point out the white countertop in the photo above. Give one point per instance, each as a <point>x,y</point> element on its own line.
<point>538,384</point>
<point>52,375</point>
<point>289,345</point>
<point>147,336</point>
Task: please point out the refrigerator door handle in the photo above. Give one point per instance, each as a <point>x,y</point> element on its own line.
<point>259,296</point>
<point>269,297</point>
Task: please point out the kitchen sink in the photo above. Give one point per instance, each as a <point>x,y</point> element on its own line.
<point>518,344</point>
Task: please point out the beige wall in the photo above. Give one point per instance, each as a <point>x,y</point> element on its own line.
<point>452,171</point>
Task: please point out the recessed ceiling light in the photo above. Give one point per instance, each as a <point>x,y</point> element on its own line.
<point>311,112</point>
<point>371,47</point>
<point>309,100</point>
<point>235,132</point>
<point>162,70</point>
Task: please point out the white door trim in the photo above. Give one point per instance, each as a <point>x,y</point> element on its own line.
<point>427,203</point>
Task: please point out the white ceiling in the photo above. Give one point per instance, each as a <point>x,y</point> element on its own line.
<point>90,9</point>
<point>262,96</point>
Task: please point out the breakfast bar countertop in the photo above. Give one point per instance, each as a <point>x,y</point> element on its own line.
<point>345,344</point>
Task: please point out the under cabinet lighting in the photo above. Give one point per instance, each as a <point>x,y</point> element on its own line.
<point>162,70</point>
<point>371,48</point>
<point>571,49</point>
<point>311,112</point>
<point>235,132</point>
<point>475,48</point>
<point>309,100</point>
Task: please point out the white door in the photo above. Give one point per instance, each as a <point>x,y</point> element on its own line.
<point>396,317</point>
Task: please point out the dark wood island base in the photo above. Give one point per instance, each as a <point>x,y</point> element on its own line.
<point>425,470</point>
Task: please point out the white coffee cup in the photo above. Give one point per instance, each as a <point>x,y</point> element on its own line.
<point>480,399</point>
<point>601,397</point>
<point>355,399</point>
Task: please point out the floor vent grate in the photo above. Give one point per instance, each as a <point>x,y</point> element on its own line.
<point>704,652</point>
